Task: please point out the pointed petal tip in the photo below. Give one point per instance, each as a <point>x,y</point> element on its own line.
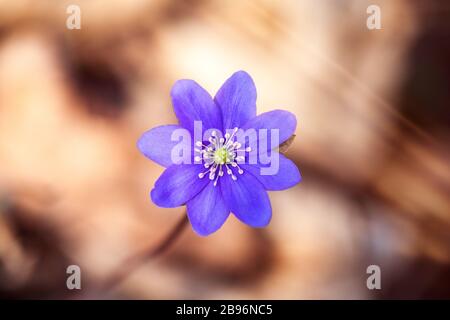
<point>242,73</point>
<point>140,143</point>
<point>180,85</point>
<point>260,223</point>
<point>243,77</point>
<point>201,229</point>
<point>155,199</point>
<point>202,232</point>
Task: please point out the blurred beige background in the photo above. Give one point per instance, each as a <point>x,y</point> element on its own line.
<point>372,146</point>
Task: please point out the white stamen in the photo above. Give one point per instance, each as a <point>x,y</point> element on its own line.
<point>219,175</point>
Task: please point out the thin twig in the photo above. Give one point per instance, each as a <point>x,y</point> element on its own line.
<point>134,262</point>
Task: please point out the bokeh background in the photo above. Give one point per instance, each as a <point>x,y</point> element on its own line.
<point>372,145</point>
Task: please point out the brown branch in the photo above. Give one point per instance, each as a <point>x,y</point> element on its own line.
<point>135,261</point>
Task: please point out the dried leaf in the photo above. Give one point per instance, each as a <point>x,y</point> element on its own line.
<point>282,148</point>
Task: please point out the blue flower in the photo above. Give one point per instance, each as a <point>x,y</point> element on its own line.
<point>218,180</point>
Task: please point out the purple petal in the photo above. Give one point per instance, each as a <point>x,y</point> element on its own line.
<point>207,211</point>
<point>192,103</point>
<point>284,121</point>
<point>156,144</point>
<point>247,199</point>
<point>177,185</point>
<point>287,176</point>
<point>237,99</point>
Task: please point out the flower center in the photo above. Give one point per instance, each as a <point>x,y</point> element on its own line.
<point>220,155</point>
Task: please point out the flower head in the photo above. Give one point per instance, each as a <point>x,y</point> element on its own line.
<point>226,160</point>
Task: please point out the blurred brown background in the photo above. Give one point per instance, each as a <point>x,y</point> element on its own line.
<point>372,145</point>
